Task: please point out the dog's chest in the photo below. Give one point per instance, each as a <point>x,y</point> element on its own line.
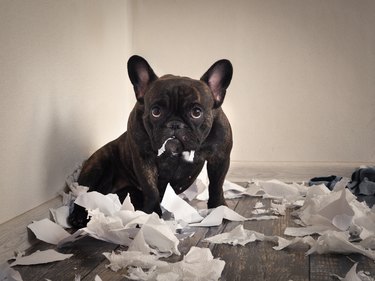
<point>178,172</point>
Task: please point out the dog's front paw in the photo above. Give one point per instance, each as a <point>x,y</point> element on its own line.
<point>78,218</point>
<point>215,202</point>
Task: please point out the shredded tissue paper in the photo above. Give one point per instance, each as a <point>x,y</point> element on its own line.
<point>344,226</point>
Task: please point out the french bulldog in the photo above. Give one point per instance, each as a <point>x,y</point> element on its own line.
<point>175,126</point>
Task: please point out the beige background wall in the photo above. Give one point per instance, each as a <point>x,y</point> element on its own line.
<point>304,71</point>
<point>303,86</point>
<point>62,87</point>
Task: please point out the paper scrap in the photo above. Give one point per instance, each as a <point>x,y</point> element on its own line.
<point>127,204</point>
<point>60,216</point>
<point>280,190</point>
<point>259,205</point>
<point>41,257</point>
<point>217,215</point>
<point>9,274</point>
<point>77,189</point>
<point>352,275</point>
<point>48,231</point>
<point>139,244</point>
<point>198,264</point>
<point>161,150</point>
<point>237,236</point>
<point>107,228</point>
<point>97,278</point>
<point>107,204</point>
<point>179,207</point>
<point>124,259</point>
<point>230,189</point>
<point>336,210</point>
<point>338,242</point>
<point>188,156</point>
<point>158,235</point>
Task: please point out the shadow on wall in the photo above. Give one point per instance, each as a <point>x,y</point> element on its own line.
<point>68,142</point>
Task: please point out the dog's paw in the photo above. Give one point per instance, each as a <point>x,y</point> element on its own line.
<point>78,218</point>
<point>215,203</point>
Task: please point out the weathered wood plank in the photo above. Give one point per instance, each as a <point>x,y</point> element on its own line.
<point>14,235</point>
<point>323,266</point>
<point>258,261</point>
<point>87,254</point>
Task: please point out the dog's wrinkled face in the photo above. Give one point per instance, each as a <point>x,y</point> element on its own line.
<point>179,110</point>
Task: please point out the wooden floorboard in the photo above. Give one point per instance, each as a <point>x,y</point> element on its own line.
<point>255,261</point>
<point>258,260</point>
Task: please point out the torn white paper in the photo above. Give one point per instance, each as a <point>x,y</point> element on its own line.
<point>352,275</point>
<point>139,244</point>
<point>48,231</point>
<point>124,259</point>
<point>161,150</point>
<point>159,236</point>
<point>230,189</point>
<point>237,236</point>
<point>188,156</point>
<point>40,257</point>
<point>336,210</point>
<point>217,215</point>
<point>199,189</point>
<point>254,190</point>
<point>107,228</point>
<point>198,264</point>
<point>127,204</point>
<point>77,189</point>
<point>338,242</point>
<point>9,274</point>
<point>107,204</point>
<point>179,207</point>
<point>60,216</point>
<point>280,190</point>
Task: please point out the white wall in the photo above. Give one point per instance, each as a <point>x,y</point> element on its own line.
<point>304,70</point>
<point>303,86</point>
<point>63,85</point>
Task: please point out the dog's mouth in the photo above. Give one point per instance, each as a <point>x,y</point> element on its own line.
<point>172,147</point>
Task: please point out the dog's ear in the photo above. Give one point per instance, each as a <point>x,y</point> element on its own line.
<point>141,75</point>
<point>218,78</point>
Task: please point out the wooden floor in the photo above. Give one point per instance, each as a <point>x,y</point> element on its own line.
<point>255,261</point>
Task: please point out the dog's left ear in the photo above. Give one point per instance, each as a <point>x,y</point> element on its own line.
<point>141,75</point>
<point>218,78</point>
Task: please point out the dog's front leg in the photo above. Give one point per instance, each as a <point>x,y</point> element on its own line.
<point>217,170</point>
<point>148,180</point>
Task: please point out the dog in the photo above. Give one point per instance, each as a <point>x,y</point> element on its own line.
<point>176,125</point>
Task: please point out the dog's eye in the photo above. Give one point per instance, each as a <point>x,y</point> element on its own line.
<point>156,111</point>
<point>196,112</point>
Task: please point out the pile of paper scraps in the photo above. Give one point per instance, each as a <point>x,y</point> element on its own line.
<point>344,226</point>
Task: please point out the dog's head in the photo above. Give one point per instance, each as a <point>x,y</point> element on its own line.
<point>178,112</point>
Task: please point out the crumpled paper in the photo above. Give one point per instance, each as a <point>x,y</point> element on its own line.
<point>118,228</point>
<point>336,210</point>
<point>330,242</point>
<point>275,189</point>
<point>344,224</point>
<point>198,264</point>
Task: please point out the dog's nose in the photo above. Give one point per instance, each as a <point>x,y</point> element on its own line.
<point>175,125</point>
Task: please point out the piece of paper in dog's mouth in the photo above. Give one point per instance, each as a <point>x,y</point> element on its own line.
<point>188,156</point>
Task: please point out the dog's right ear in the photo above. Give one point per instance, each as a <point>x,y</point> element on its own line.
<point>141,75</point>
